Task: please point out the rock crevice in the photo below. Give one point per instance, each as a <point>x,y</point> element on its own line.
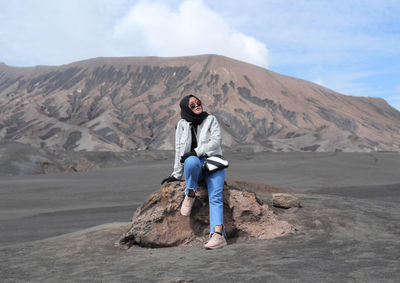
<point>158,222</point>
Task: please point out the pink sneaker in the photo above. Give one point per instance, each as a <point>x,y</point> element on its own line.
<point>187,205</point>
<point>217,241</point>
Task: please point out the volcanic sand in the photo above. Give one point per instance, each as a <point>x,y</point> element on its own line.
<point>63,226</point>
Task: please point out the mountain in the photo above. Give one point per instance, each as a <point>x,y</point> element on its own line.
<point>121,104</point>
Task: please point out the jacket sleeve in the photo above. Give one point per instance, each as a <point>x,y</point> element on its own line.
<point>215,139</point>
<point>178,167</point>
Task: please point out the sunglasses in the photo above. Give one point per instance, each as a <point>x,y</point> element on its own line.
<point>193,105</point>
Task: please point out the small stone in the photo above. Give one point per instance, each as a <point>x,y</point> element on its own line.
<point>284,200</point>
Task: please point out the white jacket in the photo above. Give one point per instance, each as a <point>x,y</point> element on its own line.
<point>208,141</point>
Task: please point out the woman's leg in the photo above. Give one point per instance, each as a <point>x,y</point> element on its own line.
<point>192,171</point>
<point>215,185</point>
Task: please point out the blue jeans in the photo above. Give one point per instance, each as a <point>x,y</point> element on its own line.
<point>215,184</point>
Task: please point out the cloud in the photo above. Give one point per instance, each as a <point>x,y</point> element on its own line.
<point>325,32</point>
<point>55,32</point>
<point>59,32</point>
<point>192,29</point>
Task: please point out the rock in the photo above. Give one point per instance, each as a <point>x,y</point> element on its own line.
<point>284,200</point>
<point>158,222</point>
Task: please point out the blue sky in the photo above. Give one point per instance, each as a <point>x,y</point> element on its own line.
<point>352,46</point>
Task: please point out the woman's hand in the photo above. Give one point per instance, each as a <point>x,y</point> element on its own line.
<point>169,179</point>
<point>187,154</point>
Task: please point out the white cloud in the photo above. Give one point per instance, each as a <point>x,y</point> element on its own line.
<point>327,32</point>
<point>192,29</point>
<point>56,32</point>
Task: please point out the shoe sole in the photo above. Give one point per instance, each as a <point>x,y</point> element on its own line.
<point>216,247</point>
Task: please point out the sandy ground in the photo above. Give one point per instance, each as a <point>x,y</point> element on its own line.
<point>62,227</point>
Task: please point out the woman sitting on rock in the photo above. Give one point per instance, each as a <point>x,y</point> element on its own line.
<point>197,135</point>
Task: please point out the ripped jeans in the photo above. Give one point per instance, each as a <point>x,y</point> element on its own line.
<point>215,184</point>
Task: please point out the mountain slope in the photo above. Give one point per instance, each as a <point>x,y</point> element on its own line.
<point>123,104</point>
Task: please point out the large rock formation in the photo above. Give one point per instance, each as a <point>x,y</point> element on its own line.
<point>120,104</point>
<point>158,222</point>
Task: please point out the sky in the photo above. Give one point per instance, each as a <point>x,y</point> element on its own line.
<point>350,46</point>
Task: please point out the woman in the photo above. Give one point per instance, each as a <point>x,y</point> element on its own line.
<point>198,135</point>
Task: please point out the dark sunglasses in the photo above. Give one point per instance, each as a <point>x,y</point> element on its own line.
<point>193,105</point>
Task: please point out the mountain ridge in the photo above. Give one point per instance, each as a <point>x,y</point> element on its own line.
<point>131,103</point>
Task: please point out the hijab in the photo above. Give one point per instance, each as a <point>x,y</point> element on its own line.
<point>187,113</point>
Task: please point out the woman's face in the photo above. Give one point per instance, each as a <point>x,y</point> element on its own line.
<point>195,105</point>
